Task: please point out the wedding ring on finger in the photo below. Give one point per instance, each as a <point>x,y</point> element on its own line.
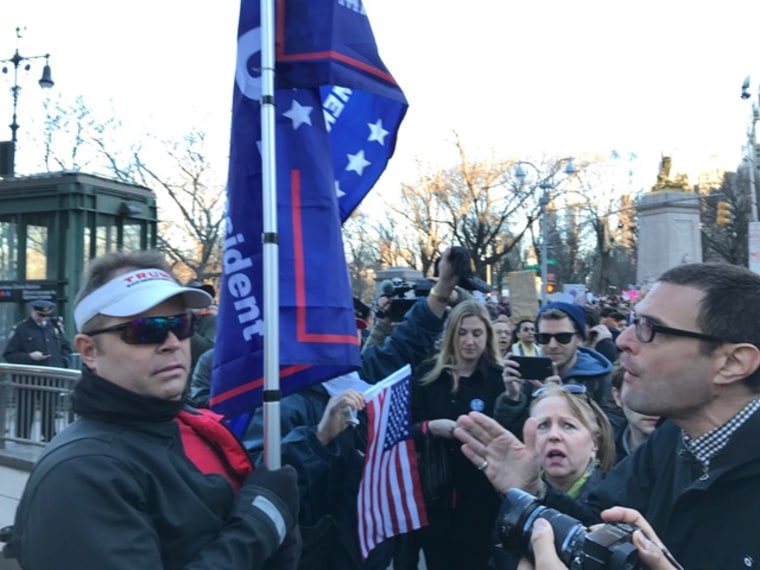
<point>483,465</point>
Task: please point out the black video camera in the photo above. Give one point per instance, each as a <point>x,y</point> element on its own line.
<point>403,295</point>
<point>463,267</point>
<point>608,546</point>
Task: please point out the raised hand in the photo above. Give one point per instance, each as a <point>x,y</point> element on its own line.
<point>334,419</point>
<point>505,460</point>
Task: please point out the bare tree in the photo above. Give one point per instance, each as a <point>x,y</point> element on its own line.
<point>420,213</point>
<point>189,197</point>
<point>478,205</point>
<point>585,219</point>
<point>362,255</point>
<point>76,139</point>
<point>192,211</point>
<point>729,242</point>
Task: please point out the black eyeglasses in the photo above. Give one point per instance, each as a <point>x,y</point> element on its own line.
<point>646,329</point>
<point>562,338</point>
<point>152,330</point>
<point>574,389</point>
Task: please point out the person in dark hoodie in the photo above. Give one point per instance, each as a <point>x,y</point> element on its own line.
<point>561,331</point>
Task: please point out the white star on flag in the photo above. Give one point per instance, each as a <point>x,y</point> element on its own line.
<point>377,132</point>
<point>357,162</point>
<point>299,114</point>
<point>338,192</point>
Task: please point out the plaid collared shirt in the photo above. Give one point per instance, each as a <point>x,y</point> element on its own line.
<point>707,446</point>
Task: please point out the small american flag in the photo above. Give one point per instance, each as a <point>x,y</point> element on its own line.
<point>390,495</point>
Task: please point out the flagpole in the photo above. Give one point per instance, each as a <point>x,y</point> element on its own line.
<point>271,395</point>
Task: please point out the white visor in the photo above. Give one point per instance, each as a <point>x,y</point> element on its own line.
<point>135,292</point>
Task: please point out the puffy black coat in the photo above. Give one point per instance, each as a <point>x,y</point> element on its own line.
<point>117,490</point>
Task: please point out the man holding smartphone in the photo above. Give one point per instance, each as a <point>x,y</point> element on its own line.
<point>561,331</point>
<point>38,341</point>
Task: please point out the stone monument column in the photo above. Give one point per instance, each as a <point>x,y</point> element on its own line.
<point>668,226</point>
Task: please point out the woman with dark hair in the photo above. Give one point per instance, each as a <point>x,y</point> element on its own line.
<point>465,375</point>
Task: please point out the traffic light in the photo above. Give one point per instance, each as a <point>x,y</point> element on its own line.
<point>551,287</point>
<point>723,213</point>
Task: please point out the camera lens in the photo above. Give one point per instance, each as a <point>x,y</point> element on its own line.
<point>521,511</point>
<point>608,546</point>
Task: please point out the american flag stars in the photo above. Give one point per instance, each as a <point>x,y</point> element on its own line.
<point>398,415</point>
<point>357,162</point>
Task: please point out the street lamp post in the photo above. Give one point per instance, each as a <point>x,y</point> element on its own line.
<point>753,231</point>
<point>751,143</point>
<point>46,82</point>
<point>545,185</point>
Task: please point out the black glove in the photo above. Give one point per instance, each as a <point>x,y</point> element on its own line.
<point>288,555</point>
<point>279,488</point>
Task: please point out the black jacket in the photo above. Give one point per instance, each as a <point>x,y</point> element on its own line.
<point>328,477</point>
<point>475,503</point>
<point>28,336</point>
<point>707,520</point>
<point>116,490</point>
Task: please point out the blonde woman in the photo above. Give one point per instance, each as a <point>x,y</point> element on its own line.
<point>574,443</point>
<point>574,438</point>
<point>465,375</point>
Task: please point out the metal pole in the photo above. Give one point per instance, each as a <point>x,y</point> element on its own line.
<point>751,158</point>
<point>753,229</point>
<point>544,243</point>
<point>15,60</point>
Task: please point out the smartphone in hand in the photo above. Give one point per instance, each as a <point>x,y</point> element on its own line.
<point>534,367</point>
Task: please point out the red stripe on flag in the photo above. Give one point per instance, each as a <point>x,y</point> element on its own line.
<point>300,273</point>
<point>281,56</point>
<point>390,496</point>
<point>254,384</point>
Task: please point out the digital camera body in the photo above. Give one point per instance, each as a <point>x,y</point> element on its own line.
<point>403,294</point>
<point>462,264</point>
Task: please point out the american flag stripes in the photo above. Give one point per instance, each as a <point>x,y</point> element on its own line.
<point>390,495</point>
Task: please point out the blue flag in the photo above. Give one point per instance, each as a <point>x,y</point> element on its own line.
<point>337,113</point>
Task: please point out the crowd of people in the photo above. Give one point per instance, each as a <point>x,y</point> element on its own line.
<point>640,414</point>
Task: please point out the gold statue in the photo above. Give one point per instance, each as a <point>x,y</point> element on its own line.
<point>664,182</point>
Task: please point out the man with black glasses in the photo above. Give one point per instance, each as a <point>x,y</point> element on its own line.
<point>692,355</point>
<point>140,480</point>
<point>561,331</point>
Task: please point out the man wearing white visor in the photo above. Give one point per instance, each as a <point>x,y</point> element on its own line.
<point>141,480</point>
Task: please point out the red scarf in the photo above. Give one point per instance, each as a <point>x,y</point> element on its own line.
<point>211,446</point>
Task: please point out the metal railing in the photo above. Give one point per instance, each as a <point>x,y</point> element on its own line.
<point>34,402</point>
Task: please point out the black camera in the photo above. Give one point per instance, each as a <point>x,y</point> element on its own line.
<point>403,294</point>
<point>463,267</point>
<point>608,546</point>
